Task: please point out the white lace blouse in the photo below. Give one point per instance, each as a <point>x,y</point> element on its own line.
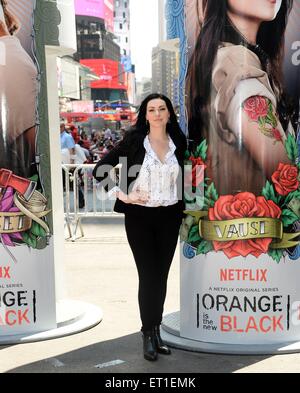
<point>156,178</point>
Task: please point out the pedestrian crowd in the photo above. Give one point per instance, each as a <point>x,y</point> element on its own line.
<point>78,147</point>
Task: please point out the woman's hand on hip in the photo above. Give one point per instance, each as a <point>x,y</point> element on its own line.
<point>134,197</point>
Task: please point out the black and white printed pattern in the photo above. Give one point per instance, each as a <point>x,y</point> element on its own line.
<point>158,179</point>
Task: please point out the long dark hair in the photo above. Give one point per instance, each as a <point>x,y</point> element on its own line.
<point>141,128</point>
<point>217,27</point>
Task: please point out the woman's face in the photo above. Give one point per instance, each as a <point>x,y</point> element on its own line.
<point>262,10</point>
<point>157,113</point>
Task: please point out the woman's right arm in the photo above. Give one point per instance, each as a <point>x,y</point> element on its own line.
<point>103,169</point>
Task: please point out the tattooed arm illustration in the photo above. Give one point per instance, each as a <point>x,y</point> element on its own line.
<point>263,135</point>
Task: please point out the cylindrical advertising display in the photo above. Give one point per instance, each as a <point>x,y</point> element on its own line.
<point>32,305</point>
<point>240,264</point>
<point>27,292</point>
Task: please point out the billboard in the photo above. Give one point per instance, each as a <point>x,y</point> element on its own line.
<point>94,8</point>
<point>110,72</point>
<point>103,9</point>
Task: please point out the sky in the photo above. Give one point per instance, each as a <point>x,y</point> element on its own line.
<point>144,34</point>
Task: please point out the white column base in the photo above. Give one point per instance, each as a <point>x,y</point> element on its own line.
<point>170,333</point>
<point>71,316</point>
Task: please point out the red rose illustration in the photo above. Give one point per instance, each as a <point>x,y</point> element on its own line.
<point>256,107</point>
<point>285,179</point>
<point>196,176</point>
<point>244,204</point>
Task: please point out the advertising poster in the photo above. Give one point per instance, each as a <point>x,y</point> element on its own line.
<point>240,263</point>
<point>27,295</point>
<point>94,8</point>
<point>111,77</point>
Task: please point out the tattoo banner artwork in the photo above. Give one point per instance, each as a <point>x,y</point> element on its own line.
<point>240,239</point>
<point>27,293</point>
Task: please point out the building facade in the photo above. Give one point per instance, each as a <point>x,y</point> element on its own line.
<point>94,41</point>
<point>165,70</point>
<point>122,26</point>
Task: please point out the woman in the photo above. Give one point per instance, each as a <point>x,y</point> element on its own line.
<point>18,92</point>
<point>234,91</point>
<point>149,195</point>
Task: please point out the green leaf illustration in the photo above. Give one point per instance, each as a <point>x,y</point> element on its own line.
<point>261,122</point>
<point>37,230</point>
<point>291,148</point>
<point>291,196</point>
<point>269,193</point>
<point>276,254</point>
<point>202,150</point>
<point>187,155</point>
<point>34,178</point>
<point>204,247</point>
<point>194,234</point>
<point>212,194</point>
<point>288,217</point>
<point>30,240</point>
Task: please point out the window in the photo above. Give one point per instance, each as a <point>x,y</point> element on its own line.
<point>121,26</point>
<point>93,27</point>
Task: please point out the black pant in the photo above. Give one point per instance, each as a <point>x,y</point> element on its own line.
<point>152,234</point>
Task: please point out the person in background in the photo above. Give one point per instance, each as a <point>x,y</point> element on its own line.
<point>86,143</point>
<point>107,133</point>
<point>122,133</point>
<point>84,150</point>
<point>67,142</point>
<point>74,133</point>
<point>152,204</point>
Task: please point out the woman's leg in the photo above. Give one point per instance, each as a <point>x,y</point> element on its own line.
<point>141,239</point>
<point>166,241</point>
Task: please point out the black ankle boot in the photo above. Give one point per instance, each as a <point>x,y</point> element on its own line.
<point>161,347</point>
<point>150,352</point>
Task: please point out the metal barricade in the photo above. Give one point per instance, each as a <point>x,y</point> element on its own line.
<point>82,197</point>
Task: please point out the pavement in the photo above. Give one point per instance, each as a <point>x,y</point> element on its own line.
<point>99,269</point>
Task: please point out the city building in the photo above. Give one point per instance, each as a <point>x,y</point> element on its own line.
<point>162,34</point>
<point>143,89</point>
<point>122,26</point>
<point>122,38</point>
<point>165,69</point>
<point>165,59</point>
<point>94,41</point>
<point>103,80</point>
